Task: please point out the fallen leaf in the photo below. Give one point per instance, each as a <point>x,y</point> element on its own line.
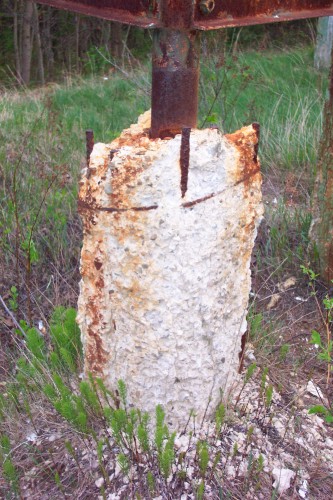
<point>274,300</point>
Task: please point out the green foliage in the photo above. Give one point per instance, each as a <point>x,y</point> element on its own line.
<point>151,482</point>
<point>287,237</point>
<point>284,349</point>
<point>255,321</point>
<point>36,347</point>
<point>29,247</point>
<point>268,396</point>
<point>250,372</point>
<point>97,61</point>
<point>90,397</point>
<point>164,443</point>
<point>13,300</point>
<point>161,431</point>
<point>122,392</point>
<point>124,463</point>
<point>201,490</point>
<point>143,432</point>
<point>203,457</point>
<point>118,423</point>
<point>327,413</point>
<point>263,380</point>
<point>167,456</point>
<point>325,347</point>
<point>65,337</point>
<point>219,418</point>
<point>8,468</point>
<point>35,373</point>
<point>310,273</point>
<point>70,406</point>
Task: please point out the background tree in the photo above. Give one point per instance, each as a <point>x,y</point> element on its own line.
<point>322,224</point>
<point>324,43</point>
<point>27,41</point>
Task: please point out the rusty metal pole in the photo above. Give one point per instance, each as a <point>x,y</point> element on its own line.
<point>175,79</point>
<point>175,82</point>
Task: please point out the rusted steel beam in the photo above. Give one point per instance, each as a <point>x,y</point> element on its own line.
<point>197,14</point>
<point>214,14</point>
<point>141,13</point>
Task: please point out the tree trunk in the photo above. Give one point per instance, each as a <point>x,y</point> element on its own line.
<point>77,42</point>
<point>116,41</point>
<point>16,40</point>
<point>106,34</point>
<point>324,43</point>
<point>27,42</point>
<point>47,41</point>
<point>39,46</point>
<point>322,224</point>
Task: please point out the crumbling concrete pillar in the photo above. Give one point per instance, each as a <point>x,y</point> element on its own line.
<point>165,264</point>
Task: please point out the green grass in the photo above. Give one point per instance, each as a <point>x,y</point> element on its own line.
<point>279,90</point>
<point>42,153</point>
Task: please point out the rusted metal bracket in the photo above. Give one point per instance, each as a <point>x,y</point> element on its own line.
<point>175,47</point>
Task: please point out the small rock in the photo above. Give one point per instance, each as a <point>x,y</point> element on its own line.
<point>249,354</point>
<point>182,442</point>
<point>190,471</point>
<point>314,390</point>
<point>231,471</point>
<point>99,482</point>
<point>329,443</point>
<point>283,478</point>
<point>32,437</point>
<point>299,440</point>
<point>243,468</point>
<point>304,489</point>
<point>280,427</point>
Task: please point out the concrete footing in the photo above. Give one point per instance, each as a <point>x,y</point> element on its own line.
<point>165,264</point>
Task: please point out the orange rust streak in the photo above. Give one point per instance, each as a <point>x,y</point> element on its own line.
<point>96,355</point>
<point>247,145</point>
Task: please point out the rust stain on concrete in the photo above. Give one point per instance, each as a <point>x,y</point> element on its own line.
<point>246,141</point>
<point>95,352</point>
